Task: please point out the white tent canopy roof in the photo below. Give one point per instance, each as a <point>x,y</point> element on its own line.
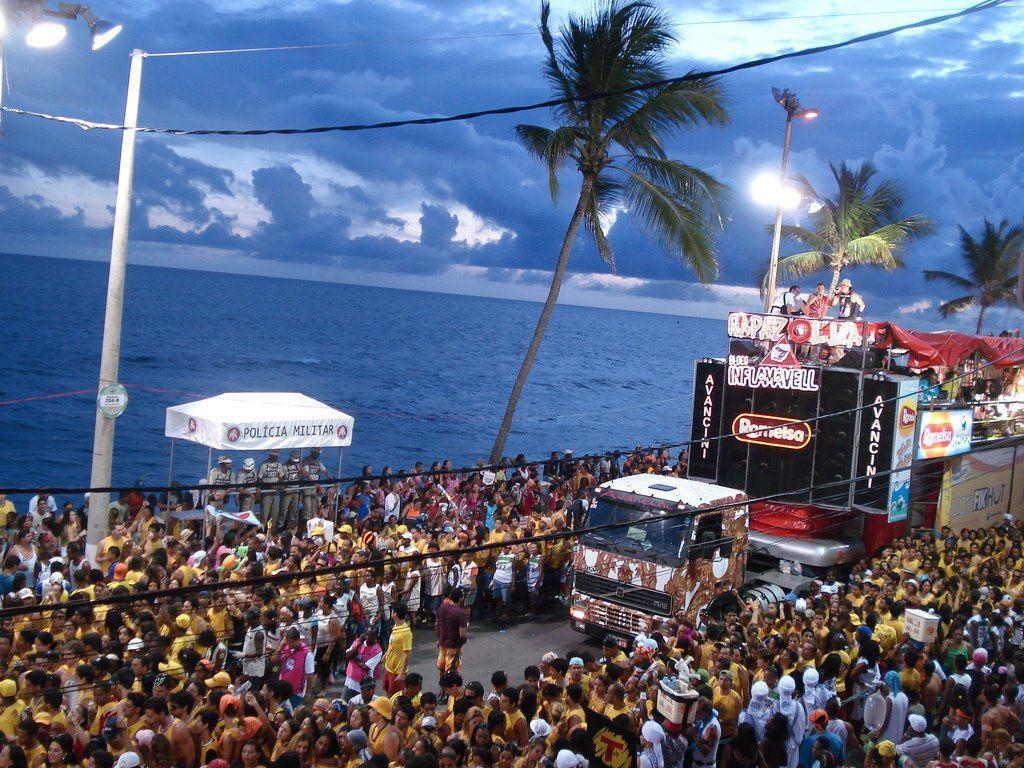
<point>245,421</point>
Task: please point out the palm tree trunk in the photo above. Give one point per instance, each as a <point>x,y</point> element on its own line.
<point>835,278</point>
<point>542,323</point>
<point>981,318</point>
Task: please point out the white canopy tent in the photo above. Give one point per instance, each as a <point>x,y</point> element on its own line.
<point>258,421</point>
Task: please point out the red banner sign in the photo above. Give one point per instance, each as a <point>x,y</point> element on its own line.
<point>776,431</point>
<point>805,330</point>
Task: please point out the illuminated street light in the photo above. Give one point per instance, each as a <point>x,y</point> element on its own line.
<point>794,111</point>
<point>49,27</point>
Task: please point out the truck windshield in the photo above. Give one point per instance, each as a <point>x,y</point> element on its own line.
<point>654,537</point>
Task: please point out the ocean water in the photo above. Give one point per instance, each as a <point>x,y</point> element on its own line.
<point>425,375</point>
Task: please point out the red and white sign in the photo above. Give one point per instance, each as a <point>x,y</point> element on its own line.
<point>782,355</point>
<point>944,433</point>
<point>805,330</point>
<point>776,431</point>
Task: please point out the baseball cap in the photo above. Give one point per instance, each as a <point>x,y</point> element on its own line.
<point>112,727</point>
<point>819,717</point>
<point>8,688</point>
<point>128,760</point>
<point>120,571</point>
<point>219,680</point>
<point>136,644</point>
<point>183,621</point>
<point>429,722</point>
<point>223,459</point>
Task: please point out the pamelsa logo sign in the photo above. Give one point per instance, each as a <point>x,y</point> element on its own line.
<point>776,431</point>
<point>944,433</point>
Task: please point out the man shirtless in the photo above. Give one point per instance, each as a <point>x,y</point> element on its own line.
<point>995,715</point>
<point>160,721</point>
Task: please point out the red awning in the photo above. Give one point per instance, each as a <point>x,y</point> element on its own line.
<point>948,349</point>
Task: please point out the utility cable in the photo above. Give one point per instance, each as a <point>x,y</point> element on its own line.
<point>509,110</point>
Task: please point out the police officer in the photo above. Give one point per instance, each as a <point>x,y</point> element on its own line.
<point>312,469</point>
<point>247,493</point>
<point>220,475</point>
<point>291,470</point>
<point>270,471</point>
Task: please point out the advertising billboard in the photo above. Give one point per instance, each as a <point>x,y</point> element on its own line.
<point>976,489</point>
<point>944,433</point>
<point>903,450</point>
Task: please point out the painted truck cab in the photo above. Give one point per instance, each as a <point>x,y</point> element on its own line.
<point>659,546</point>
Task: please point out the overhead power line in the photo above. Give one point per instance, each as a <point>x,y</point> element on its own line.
<point>531,33</point>
<point>509,110</point>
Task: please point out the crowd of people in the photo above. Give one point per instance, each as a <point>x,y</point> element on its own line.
<point>312,669</point>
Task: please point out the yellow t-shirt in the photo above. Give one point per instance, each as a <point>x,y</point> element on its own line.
<point>10,716</point>
<point>399,646</point>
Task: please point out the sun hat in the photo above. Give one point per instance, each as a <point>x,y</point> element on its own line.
<point>382,707</point>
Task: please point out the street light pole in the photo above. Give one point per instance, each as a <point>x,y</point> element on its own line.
<point>103,438</point>
<point>773,264</point>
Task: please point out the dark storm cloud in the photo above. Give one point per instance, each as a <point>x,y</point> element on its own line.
<point>934,110</point>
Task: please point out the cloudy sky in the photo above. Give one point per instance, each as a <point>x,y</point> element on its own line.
<point>461,207</point>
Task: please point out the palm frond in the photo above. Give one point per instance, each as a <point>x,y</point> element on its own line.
<point>802,264</point>
<point>949,278</point>
<point>957,305</point>
<point>682,104</point>
<point>702,192</point>
<point>592,221</point>
<point>553,147</point>
<point>669,219</point>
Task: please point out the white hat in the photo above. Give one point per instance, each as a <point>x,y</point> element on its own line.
<point>25,594</point>
<point>56,577</point>
<point>917,723</point>
<point>135,644</point>
<point>223,459</point>
<point>811,676</point>
<point>787,684</point>
<point>128,760</point>
<point>539,728</point>
<point>652,732</point>
<point>800,605</point>
<point>759,689</point>
<point>249,464</point>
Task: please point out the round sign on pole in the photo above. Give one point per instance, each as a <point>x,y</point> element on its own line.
<point>112,400</point>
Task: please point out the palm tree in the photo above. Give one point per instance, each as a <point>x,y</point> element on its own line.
<point>859,226</point>
<point>616,144</point>
<point>991,266</point>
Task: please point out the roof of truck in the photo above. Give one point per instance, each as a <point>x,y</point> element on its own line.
<point>674,489</point>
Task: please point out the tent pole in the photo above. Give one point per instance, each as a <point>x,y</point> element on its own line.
<point>170,478</point>
<point>337,488</point>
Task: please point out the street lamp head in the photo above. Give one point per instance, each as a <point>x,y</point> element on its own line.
<point>767,190</point>
<point>46,32</point>
<point>101,31</point>
<point>788,100</point>
<point>49,27</point>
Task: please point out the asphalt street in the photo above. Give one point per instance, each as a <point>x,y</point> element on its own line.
<point>511,648</point>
